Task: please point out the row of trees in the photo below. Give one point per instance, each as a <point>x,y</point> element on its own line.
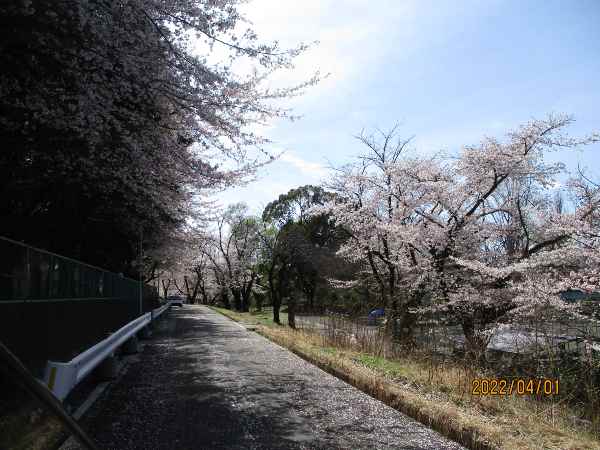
<point>115,125</point>
<point>283,255</point>
<point>478,239</point>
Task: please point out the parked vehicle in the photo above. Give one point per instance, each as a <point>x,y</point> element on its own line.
<point>375,316</point>
<point>176,300</point>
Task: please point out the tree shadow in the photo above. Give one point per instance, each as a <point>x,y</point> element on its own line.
<point>203,384</point>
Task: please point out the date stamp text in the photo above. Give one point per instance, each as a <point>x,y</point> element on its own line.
<point>515,386</point>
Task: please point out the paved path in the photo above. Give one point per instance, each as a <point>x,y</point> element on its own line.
<point>204,382</point>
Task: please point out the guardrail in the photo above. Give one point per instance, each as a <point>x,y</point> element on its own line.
<point>61,377</point>
<point>158,311</point>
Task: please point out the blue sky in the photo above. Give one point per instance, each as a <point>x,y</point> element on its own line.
<point>448,71</point>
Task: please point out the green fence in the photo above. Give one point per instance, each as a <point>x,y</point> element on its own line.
<point>53,307</point>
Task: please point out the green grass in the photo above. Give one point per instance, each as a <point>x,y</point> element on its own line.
<point>332,351</point>
<point>264,317</point>
<point>390,368</point>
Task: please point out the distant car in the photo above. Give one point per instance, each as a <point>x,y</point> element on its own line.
<point>375,315</point>
<point>176,300</point>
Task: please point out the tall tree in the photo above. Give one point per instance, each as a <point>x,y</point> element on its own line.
<point>478,233</point>
<point>368,209</point>
<point>297,245</point>
<point>235,256</point>
<point>113,120</point>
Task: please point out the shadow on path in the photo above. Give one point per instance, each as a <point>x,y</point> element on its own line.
<point>203,382</point>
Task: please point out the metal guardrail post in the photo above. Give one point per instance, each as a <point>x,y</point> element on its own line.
<point>60,378</point>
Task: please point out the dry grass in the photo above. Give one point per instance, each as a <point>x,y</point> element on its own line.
<point>439,395</point>
<point>30,429</point>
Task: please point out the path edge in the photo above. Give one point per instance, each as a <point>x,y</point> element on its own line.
<point>382,390</point>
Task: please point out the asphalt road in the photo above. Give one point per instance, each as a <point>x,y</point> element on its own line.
<point>204,382</point>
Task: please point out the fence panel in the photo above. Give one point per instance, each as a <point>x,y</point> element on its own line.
<point>53,307</point>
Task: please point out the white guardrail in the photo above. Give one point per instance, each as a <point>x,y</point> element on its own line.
<point>61,377</point>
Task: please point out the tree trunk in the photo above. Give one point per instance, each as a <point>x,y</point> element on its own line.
<point>276,305</point>
<point>475,342</point>
<point>311,298</point>
<point>225,299</point>
<point>245,302</point>
<point>394,318</point>
<point>292,311</point>
<point>406,322</point>
<point>275,300</point>
<point>165,287</point>
<point>258,298</point>
<point>246,293</point>
<point>237,299</point>
<point>191,294</point>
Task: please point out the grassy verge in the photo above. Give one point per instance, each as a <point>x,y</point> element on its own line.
<point>438,395</point>
<point>264,317</point>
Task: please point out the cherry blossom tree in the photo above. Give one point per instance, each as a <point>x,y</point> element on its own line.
<point>233,252</point>
<point>367,208</point>
<point>479,233</point>
<point>196,282</point>
<point>116,121</point>
<point>497,235</point>
<point>181,263</point>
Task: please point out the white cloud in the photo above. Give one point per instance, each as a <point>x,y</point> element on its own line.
<point>352,34</point>
<point>287,172</point>
<point>308,168</point>
<point>357,38</point>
